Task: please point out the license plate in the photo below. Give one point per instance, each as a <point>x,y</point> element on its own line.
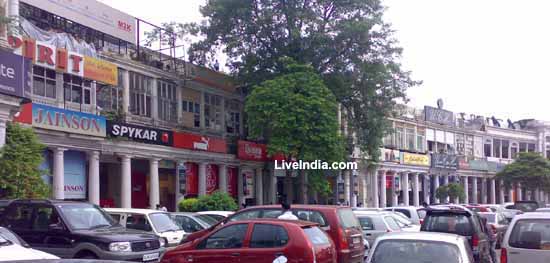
<point>149,257</point>
<point>356,240</point>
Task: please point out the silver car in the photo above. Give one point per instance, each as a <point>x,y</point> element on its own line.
<point>527,239</point>
<point>375,224</point>
<point>420,247</point>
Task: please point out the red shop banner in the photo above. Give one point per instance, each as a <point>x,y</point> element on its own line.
<point>252,151</point>
<point>232,181</point>
<point>212,178</point>
<point>192,180</point>
<point>199,142</point>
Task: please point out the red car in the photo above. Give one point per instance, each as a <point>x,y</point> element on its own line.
<point>339,222</point>
<point>258,240</point>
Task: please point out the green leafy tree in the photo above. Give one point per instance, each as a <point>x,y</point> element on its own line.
<point>217,201</point>
<point>20,159</point>
<point>296,113</point>
<point>455,191</point>
<point>346,42</point>
<point>189,205</point>
<point>442,193</point>
<point>530,169</point>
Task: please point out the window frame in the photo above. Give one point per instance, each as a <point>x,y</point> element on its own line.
<point>251,239</point>
<point>141,94</point>
<point>202,244</point>
<point>167,101</point>
<point>45,79</point>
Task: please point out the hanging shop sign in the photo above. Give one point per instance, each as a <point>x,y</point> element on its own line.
<point>14,74</point>
<point>445,161</point>
<point>199,142</point>
<point>93,14</point>
<point>212,178</point>
<point>439,116</point>
<point>252,151</point>
<point>232,181</point>
<point>415,159</point>
<point>52,118</point>
<point>48,56</point>
<point>390,155</point>
<point>248,183</point>
<point>140,133</point>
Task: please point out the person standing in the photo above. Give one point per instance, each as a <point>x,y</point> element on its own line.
<point>287,214</point>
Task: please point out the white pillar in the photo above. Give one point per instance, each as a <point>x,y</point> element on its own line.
<point>58,173</point>
<point>272,187</point>
<point>375,194</point>
<point>383,188</point>
<point>222,178</point>
<point>363,178</point>
<point>202,178</point>
<point>126,91</point>
<point>436,185</point>
<point>240,188</point>
<point>93,177</point>
<point>501,189</point>
<point>2,133</point>
<point>511,194</point>
<point>154,187</point>
<point>347,186</point>
<point>260,187</point>
<point>126,182</point>
<point>520,192</point>
<point>405,189</point>
<point>475,198</point>
<point>484,194</point>
<point>416,190</point>
<point>493,191</point>
<point>465,186</point>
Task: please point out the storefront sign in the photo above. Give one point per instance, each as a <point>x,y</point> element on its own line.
<point>92,14</point>
<point>389,155</point>
<point>248,183</point>
<point>212,178</point>
<point>415,159</point>
<point>199,142</point>
<point>75,175</point>
<point>445,161</point>
<point>463,163</point>
<point>192,179</point>
<point>14,74</point>
<point>439,116</point>
<point>60,59</point>
<point>252,151</point>
<point>480,165</point>
<point>140,133</point>
<point>232,181</point>
<point>52,118</point>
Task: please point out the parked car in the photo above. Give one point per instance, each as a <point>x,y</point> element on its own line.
<point>218,215</point>
<point>493,208</point>
<point>339,222</point>
<point>498,225</point>
<point>410,211</point>
<point>153,221</point>
<point>459,220</point>
<point>375,224</point>
<point>420,247</point>
<point>544,209</point>
<point>190,222</point>
<point>78,230</point>
<point>405,223</point>
<point>258,240</point>
<point>479,208</point>
<point>526,206</point>
<point>12,247</point>
<point>527,239</point>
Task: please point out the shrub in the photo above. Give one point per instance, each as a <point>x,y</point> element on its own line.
<point>217,201</point>
<point>189,205</point>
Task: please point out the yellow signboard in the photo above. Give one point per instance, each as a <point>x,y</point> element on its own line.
<point>416,159</point>
<point>100,70</point>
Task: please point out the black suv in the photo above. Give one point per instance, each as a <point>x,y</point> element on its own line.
<point>461,221</point>
<point>78,230</point>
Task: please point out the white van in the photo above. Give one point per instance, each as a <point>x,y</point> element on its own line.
<point>149,220</point>
<point>527,239</point>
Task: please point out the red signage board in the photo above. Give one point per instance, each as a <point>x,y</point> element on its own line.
<point>252,151</point>
<point>212,178</point>
<point>199,142</point>
<point>192,180</point>
<point>232,181</point>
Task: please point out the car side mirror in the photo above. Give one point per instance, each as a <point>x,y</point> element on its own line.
<point>56,227</point>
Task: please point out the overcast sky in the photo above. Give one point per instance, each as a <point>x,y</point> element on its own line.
<point>488,57</point>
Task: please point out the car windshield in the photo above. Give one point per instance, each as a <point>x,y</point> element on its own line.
<point>448,223</point>
<point>7,234</point>
<point>415,251</point>
<point>207,219</point>
<point>491,217</point>
<point>526,207</point>
<point>85,216</point>
<point>531,234</point>
<point>163,223</point>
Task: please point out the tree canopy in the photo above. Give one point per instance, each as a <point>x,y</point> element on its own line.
<point>20,159</point>
<point>346,42</point>
<point>530,169</point>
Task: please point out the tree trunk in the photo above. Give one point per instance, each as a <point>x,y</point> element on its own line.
<point>303,196</point>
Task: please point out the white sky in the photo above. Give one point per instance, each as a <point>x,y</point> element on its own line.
<point>487,57</point>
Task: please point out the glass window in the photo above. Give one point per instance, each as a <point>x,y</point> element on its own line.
<point>141,88</point>
<point>162,222</point>
<point>496,148</point>
<point>388,139</point>
<point>233,116</point>
<point>448,223</point>
<point>391,223</point>
<point>195,108</point>
<point>208,219</point>
<point>348,219</point>
<point>311,216</point>
<point>522,147</point>
<point>420,139</point>
<point>268,236</point>
<point>77,90</point>
<point>187,224</point>
<point>212,111</point>
<point>167,101</point>
<point>404,211</point>
<point>85,216</point>
<point>14,238</point>
<point>316,236</point>
<point>109,98</point>
<point>487,148</point>
<point>410,139</point>
<point>139,222</point>
<point>227,237</point>
<point>19,217</point>
<point>531,234</point>
<point>44,82</point>
<point>252,214</point>
<point>505,149</point>
<point>399,134</point>
<point>531,147</point>
<point>491,218</point>
<point>394,251</point>
<point>514,151</point>
<point>44,217</point>
<point>366,223</point>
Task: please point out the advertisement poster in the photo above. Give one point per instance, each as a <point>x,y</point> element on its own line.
<point>192,179</point>
<point>416,159</point>
<point>75,175</point>
<point>248,183</point>
<point>14,74</point>
<point>232,181</point>
<point>212,178</point>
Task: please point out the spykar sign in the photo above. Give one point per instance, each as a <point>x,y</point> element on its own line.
<point>59,59</point>
<point>252,151</point>
<point>14,74</point>
<point>51,118</point>
<point>140,133</point>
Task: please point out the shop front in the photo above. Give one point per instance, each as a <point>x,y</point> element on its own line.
<point>259,185</point>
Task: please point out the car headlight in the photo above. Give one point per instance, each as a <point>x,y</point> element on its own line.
<point>120,247</point>
<point>162,241</point>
